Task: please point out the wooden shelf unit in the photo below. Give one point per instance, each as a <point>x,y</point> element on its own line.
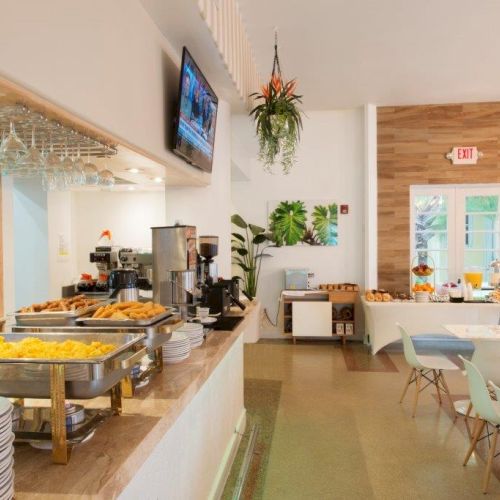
<point>341,301</point>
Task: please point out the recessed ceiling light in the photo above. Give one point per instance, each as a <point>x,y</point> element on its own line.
<point>133,170</point>
<point>131,188</point>
<point>158,179</point>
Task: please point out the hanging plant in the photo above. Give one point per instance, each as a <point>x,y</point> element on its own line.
<point>278,119</point>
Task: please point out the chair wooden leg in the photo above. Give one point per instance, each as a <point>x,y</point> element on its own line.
<point>478,427</point>
<point>466,419</point>
<point>408,381</point>
<point>435,373</point>
<point>448,393</point>
<point>491,456</point>
<point>418,375</point>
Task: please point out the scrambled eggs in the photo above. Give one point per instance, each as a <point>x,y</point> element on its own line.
<point>32,347</point>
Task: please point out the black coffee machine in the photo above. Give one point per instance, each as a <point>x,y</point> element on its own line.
<point>220,296</point>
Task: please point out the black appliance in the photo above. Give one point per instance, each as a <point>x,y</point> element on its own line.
<point>123,282</point>
<point>194,134</point>
<point>219,296</point>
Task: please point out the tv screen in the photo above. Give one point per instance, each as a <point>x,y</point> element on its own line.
<point>197,116</point>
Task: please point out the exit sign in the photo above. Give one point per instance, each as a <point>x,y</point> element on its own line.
<point>464,155</point>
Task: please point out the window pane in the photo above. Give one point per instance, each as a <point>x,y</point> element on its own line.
<point>481,203</point>
<point>442,276</point>
<point>489,222</point>
<point>480,259</point>
<point>435,203</point>
<point>431,241</point>
<point>482,241</point>
<point>431,222</point>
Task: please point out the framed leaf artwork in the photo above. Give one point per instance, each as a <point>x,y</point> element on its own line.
<point>299,222</point>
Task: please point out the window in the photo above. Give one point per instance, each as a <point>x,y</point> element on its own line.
<point>455,229</point>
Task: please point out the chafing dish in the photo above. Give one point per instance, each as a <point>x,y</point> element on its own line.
<point>57,318</point>
<point>85,378</point>
<point>124,323</point>
<point>58,379</point>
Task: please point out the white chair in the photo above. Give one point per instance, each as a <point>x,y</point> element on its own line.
<point>486,410</point>
<point>422,366</point>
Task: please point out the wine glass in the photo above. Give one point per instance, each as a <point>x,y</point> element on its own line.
<point>67,169</point>
<point>12,150</point>
<point>78,170</point>
<point>106,178</point>
<point>52,164</point>
<point>91,172</point>
<point>33,162</point>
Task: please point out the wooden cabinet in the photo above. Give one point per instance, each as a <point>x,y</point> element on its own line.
<point>320,314</point>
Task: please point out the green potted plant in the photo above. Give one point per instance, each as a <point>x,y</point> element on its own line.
<point>248,252</point>
<point>278,119</point>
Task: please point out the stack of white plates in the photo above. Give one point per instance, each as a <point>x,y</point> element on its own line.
<point>194,331</point>
<point>177,349</point>
<point>6,450</point>
<point>422,296</point>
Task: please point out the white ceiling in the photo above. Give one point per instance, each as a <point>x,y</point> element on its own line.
<point>347,53</point>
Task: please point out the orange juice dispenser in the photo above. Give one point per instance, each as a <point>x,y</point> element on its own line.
<point>475,277</point>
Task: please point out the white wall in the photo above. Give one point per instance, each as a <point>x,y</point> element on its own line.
<point>128,215</point>
<point>330,167</point>
<point>209,208</point>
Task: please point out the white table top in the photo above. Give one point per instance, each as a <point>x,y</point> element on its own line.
<point>471,332</point>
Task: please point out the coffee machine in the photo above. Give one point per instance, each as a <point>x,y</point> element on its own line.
<point>175,267</point>
<point>207,268</point>
<point>106,260</point>
<point>141,262</point>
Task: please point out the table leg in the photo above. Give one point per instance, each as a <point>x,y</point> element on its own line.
<point>127,387</point>
<point>116,399</point>
<point>60,451</point>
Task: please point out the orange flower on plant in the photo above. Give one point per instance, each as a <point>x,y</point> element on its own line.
<point>276,83</point>
<point>290,87</point>
<point>265,91</point>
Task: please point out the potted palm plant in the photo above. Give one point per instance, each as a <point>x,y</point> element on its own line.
<point>248,251</point>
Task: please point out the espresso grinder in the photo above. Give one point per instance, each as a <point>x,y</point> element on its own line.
<point>207,268</point>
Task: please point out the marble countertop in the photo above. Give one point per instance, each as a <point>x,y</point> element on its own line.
<point>102,467</point>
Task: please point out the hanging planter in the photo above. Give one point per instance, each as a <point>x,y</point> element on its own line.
<point>278,119</point>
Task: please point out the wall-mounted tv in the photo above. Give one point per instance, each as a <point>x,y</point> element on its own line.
<point>197,116</point>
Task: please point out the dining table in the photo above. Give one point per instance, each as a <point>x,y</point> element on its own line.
<point>486,356</point>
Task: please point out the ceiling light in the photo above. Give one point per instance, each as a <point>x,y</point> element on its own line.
<point>158,179</point>
<point>133,170</point>
<point>131,188</point>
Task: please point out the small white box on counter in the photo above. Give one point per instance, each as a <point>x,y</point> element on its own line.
<point>340,329</point>
<point>349,329</point>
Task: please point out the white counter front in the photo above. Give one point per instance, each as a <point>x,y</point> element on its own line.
<point>418,319</point>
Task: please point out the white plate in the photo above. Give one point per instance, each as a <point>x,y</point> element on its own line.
<point>7,439</point>
<point>207,321</point>
<point>189,326</point>
<point>176,337</point>
<point>175,361</point>
<point>5,407</point>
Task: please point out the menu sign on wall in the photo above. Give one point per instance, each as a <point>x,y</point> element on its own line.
<point>464,155</point>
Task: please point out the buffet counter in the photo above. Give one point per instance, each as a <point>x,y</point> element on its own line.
<point>421,318</point>
<point>175,438</point>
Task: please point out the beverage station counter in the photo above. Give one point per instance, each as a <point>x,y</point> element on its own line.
<point>177,433</point>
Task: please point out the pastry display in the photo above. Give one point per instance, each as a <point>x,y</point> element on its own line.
<point>129,310</point>
<point>68,304</point>
<point>423,287</point>
<point>378,296</point>
<point>32,347</point>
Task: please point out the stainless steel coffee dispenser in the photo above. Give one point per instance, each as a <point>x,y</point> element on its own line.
<point>174,266</point>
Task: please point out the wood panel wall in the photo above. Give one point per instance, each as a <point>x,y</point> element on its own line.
<point>412,143</point>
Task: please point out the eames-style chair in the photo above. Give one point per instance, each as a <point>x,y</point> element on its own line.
<point>487,411</point>
<point>425,369</point>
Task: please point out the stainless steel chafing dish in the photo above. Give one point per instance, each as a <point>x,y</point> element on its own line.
<point>85,378</point>
<point>58,379</point>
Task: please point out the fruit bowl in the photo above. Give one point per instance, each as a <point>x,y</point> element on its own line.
<point>422,270</point>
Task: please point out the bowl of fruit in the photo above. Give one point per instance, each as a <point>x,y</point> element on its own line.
<point>422,270</point>
<point>423,287</point>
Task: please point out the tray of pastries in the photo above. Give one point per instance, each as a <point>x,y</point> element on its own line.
<point>127,314</point>
<point>59,312</point>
